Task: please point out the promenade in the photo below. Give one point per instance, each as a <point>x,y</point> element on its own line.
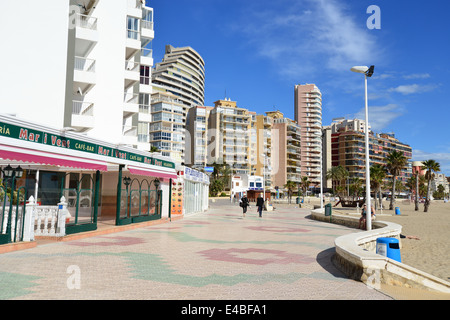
<point>216,255</point>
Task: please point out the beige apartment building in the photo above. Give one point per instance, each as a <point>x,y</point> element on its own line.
<point>232,137</point>
<point>285,154</point>
<point>308,115</point>
<point>264,166</point>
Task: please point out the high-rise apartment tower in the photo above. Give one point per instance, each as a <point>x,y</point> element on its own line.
<point>308,114</point>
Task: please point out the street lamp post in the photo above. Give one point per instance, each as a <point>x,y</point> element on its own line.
<point>264,176</point>
<point>368,72</point>
<point>321,172</point>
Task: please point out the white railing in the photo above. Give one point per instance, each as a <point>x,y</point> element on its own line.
<point>146,52</point>
<point>82,108</point>
<point>38,220</point>
<point>133,34</point>
<point>132,66</point>
<point>131,97</point>
<point>147,24</point>
<point>84,64</point>
<point>13,222</point>
<point>129,131</point>
<point>86,22</point>
<point>49,220</point>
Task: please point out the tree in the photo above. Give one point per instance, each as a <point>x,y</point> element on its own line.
<point>356,187</point>
<point>304,184</point>
<point>430,166</point>
<point>337,174</point>
<point>395,162</point>
<point>154,149</point>
<point>215,187</point>
<point>290,186</point>
<point>377,175</point>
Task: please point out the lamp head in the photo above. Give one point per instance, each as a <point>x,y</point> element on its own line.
<point>363,69</point>
<point>360,69</point>
<point>19,172</point>
<point>156,182</point>
<point>8,171</point>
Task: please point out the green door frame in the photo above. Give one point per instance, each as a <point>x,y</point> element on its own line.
<point>128,219</point>
<point>83,227</point>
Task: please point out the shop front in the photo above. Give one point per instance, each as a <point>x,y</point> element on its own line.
<point>88,174</point>
<point>196,191</point>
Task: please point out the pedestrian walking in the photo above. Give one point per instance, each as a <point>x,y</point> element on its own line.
<point>260,204</point>
<point>244,203</point>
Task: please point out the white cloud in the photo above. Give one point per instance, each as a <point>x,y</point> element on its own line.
<point>417,76</point>
<point>381,116</point>
<point>302,36</point>
<point>413,88</point>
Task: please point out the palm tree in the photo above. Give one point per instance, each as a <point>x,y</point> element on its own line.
<point>290,186</point>
<point>304,185</point>
<point>431,166</point>
<point>154,149</point>
<point>395,162</point>
<point>377,175</point>
<point>337,174</point>
<point>355,187</point>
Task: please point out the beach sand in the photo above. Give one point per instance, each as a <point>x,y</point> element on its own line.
<point>431,253</point>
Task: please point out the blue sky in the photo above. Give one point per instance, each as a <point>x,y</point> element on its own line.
<point>256,51</point>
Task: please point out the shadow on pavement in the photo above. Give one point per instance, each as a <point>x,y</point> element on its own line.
<point>324,258</point>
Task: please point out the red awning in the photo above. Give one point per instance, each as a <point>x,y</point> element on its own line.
<point>152,173</point>
<point>51,159</point>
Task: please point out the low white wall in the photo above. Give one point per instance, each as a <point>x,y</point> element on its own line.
<point>356,256</point>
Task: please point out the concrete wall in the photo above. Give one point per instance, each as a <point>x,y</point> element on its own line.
<point>356,257</point>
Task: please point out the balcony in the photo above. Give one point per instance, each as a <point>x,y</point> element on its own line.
<point>129,135</point>
<point>133,43</point>
<point>145,85</point>
<point>130,104</point>
<point>134,8</point>
<point>84,77</point>
<point>82,115</point>
<point>86,35</point>
<point>147,30</point>
<point>147,57</point>
<point>132,73</point>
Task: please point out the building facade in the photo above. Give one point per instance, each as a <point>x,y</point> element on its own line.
<point>182,73</point>
<point>308,114</point>
<point>168,126</point>
<point>197,136</point>
<point>348,150</point>
<point>232,137</point>
<point>264,125</point>
<point>286,159</point>
<point>91,71</point>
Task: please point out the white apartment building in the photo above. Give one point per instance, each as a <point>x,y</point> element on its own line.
<point>197,141</point>
<point>182,73</point>
<point>168,127</point>
<point>81,66</point>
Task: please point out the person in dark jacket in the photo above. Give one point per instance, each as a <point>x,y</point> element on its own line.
<point>260,205</point>
<point>244,203</point>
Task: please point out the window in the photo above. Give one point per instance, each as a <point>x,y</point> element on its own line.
<point>133,28</point>
<point>145,75</point>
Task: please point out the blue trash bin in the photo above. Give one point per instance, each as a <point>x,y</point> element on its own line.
<point>389,247</point>
<point>397,210</point>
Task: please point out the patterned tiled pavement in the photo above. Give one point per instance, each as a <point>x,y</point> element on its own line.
<point>216,255</point>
